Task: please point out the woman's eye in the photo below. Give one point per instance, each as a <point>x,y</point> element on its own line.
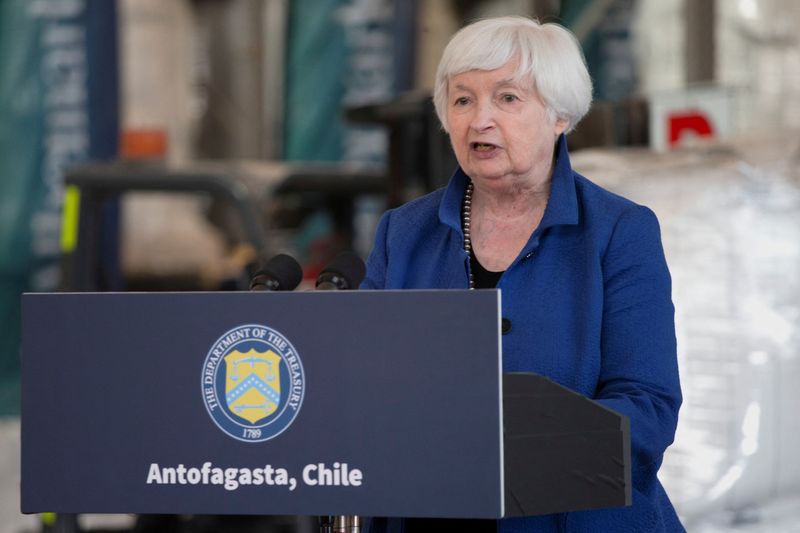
<point>508,98</point>
<point>463,100</point>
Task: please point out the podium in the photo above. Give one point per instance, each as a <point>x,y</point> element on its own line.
<point>371,403</point>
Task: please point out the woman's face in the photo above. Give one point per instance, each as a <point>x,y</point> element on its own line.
<point>500,130</point>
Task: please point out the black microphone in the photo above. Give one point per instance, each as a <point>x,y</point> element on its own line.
<point>345,272</point>
<point>281,273</point>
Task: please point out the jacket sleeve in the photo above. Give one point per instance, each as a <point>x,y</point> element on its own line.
<point>639,367</point>
<point>375,277</point>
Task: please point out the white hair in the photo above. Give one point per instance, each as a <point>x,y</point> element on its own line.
<point>550,61</point>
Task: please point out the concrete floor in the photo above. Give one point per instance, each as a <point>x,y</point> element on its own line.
<point>11,520</point>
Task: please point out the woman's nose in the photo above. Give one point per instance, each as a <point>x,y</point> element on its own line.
<point>483,117</point>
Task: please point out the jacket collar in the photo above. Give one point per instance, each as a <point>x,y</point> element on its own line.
<point>562,205</point>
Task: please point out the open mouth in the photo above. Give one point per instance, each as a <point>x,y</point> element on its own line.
<point>483,147</point>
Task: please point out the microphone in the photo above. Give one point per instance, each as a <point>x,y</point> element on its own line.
<point>281,273</point>
<point>345,272</point>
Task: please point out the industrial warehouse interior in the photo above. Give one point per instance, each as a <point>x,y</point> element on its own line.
<point>152,146</point>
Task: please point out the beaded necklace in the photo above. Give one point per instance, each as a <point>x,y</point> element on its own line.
<point>466,213</point>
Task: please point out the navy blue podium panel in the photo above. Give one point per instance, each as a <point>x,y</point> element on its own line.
<point>315,403</point>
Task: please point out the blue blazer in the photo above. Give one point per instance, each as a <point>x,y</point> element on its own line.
<point>589,302</point>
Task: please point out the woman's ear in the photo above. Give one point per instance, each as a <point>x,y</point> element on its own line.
<point>560,126</point>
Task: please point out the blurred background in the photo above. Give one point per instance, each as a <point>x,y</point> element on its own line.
<point>171,145</point>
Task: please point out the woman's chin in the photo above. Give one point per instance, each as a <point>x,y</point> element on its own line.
<point>491,179</point>
<point>486,170</point>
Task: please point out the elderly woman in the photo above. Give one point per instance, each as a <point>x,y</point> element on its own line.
<point>586,290</point>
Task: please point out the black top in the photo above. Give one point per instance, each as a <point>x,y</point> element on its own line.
<point>484,279</point>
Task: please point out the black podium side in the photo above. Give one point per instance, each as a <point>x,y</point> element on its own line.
<point>562,451</point>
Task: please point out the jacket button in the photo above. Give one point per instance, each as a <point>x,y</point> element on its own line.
<point>505,325</point>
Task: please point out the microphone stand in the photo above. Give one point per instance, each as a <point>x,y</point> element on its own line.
<point>347,524</point>
<point>340,524</point>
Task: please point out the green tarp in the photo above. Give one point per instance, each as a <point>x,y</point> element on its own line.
<point>21,186</point>
<point>45,126</point>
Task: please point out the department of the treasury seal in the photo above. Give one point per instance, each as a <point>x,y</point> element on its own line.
<point>253,383</point>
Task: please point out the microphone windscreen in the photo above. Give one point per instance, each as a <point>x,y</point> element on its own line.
<point>285,270</point>
<point>349,266</point>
